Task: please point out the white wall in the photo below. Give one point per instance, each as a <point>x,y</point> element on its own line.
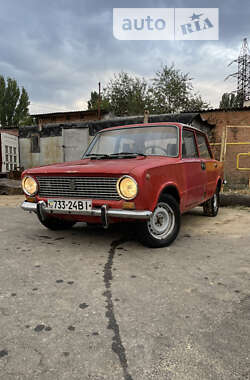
<point>11,142</point>
<point>75,143</point>
<point>68,147</point>
<point>51,151</point>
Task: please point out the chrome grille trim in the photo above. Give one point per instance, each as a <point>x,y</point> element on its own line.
<point>85,187</point>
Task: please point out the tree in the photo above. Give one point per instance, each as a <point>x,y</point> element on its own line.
<point>230,100</point>
<point>127,95</point>
<point>13,103</point>
<point>172,91</point>
<point>93,102</point>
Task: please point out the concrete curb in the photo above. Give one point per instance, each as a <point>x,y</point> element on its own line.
<point>10,187</point>
<point>234,199</point>
<point>5,190</point>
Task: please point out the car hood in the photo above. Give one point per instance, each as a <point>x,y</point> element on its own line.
<point>102,166</point>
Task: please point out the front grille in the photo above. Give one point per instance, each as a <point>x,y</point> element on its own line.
<point>78,187</point>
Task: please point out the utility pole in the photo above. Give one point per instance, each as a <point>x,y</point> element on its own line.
<point>99,101</point>
<point>146,116</point>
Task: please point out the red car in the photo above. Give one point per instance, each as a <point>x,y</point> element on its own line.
<point>144,173</point>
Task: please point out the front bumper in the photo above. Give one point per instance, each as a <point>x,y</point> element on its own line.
<point>104,212</point>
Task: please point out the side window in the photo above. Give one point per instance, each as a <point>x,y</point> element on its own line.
<point>189,149</point>
<point>202,145</point>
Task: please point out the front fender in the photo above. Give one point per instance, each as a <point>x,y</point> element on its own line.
<point>163,188</point>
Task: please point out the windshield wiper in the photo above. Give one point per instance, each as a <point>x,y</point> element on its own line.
<point>128,154</point>
<point>97,156</point>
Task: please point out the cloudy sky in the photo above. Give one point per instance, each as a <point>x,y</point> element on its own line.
<point>59,50</point>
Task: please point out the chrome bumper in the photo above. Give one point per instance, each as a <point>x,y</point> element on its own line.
<point>103,212</point>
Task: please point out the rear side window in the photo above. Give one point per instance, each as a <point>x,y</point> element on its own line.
<point>189,149</point>
<point>202,145</point>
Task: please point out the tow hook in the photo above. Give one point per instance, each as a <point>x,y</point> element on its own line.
<point>104,216</point>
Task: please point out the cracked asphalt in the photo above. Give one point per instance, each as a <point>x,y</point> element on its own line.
<point>94,304</point>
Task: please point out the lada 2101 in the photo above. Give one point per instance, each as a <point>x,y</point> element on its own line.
<point>148,174</point>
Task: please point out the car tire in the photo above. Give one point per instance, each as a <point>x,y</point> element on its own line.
<point>212,205</point>
<point>54,224</point>
<point>163,226</point>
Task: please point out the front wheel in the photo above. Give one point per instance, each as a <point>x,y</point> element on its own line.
<point>163,226</point>
<point>211,206</point>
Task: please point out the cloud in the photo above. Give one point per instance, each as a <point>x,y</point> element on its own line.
<point>59,51</point>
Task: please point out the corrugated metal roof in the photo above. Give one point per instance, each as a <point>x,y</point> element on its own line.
<point>191,118</point>
<point>103,112</point>
<point>13,132</point>
<point>67,113</point>
<point>225,110</point>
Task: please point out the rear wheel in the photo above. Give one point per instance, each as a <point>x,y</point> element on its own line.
<point>53,223</point>
<point>163,226</point>
<point>211,206</point>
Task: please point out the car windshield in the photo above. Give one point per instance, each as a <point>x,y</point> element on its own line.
<point>151,140</point>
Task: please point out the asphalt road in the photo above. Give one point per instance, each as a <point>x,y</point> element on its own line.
<point>95,304</point>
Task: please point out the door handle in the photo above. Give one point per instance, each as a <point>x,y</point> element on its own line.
<point>203,165</point>
<point>215,165</point>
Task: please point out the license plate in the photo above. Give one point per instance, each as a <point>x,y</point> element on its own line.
<point>70,205</point>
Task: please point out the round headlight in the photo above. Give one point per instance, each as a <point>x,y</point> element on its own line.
<point>29,185</point>
<point>127,187</point>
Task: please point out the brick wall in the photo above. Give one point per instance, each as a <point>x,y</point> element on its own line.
<point>235,125</point>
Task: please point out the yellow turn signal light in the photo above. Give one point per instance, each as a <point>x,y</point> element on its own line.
<point>128,206</point>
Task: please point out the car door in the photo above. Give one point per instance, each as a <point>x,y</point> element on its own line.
<point>193,170</point>
<point>210,163</point>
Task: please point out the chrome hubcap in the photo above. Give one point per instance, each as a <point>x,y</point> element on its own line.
<point>215,202</point>
<point>162,221</point>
